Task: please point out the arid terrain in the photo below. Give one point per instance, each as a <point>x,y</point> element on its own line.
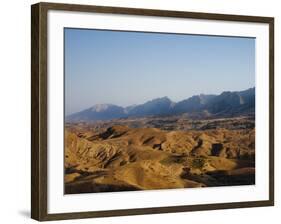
<point>159,152</point>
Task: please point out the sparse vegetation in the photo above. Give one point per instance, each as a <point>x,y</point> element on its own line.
<point>198,163</point>
<point>173,159</point>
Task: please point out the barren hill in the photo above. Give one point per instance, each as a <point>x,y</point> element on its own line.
<point>123,158</point>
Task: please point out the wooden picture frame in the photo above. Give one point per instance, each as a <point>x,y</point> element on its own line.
<point>39,109</point>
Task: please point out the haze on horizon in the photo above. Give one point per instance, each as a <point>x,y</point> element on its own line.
<point>127,68</point>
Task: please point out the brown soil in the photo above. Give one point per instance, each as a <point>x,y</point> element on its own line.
<point>123,159</point>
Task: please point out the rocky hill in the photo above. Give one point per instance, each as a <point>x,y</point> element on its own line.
<point>122,158</point>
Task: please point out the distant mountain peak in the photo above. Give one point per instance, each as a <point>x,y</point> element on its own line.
<point>101,107</point>
<point>225,104</point>
<point>161,99</point>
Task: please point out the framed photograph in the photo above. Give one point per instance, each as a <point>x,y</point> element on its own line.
<point>141,111</point>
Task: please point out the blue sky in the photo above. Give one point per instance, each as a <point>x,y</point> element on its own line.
<point>126,68</point>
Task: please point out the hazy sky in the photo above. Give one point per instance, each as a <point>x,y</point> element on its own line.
<point>126,68</point>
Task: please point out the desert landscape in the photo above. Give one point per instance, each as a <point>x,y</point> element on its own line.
<point>151,111</point>
<point>202,141</point>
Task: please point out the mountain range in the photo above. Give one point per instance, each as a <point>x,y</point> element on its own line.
<point>225,104</point>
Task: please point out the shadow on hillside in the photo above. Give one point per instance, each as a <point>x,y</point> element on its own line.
<point>91,187</point>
